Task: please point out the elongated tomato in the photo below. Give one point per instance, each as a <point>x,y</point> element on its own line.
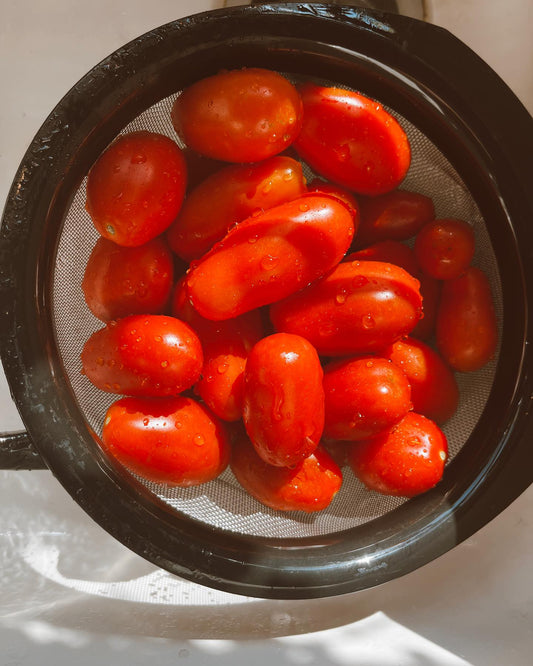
<point>270,256</point>
<point>359,307</point>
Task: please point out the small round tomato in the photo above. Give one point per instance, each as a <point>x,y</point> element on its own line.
<point>351,140</point>
<point>392,252</point>
<point>243,115</point>
<point>136,187</point>
<point>364,396</point>
<point>143,355</point>
<point>119,281</point>
<point>444,248</point>
<point>405,461</point>
<point>283,399</point>
<point>175,441</point>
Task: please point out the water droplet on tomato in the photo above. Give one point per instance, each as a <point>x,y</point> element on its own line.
<point>164,364</point>
<point>288,176</point>
<point>252,239</point>
<point>359,281</point>
<point>158,338</point>
<point>268,262</point>
<point>199,439</point>
<point>368,321</point>
<point>138,159</point>
<point>267,187</point>
<point>222,368</point>
<point>110,229</point>
<point>303,207</point>
<point>146,422</point>
<point>340,298</point>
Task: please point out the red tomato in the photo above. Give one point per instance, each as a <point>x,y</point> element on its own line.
<point>430,291</point>
<point>364,396</point>
<point>352,140</point>
<point>309,487</point>
<point>466,328</point>
<point>283,399</point>
<point>319,185</point>
<point>230,196</point>
<point>243,115</point>
<point>136,187</point>
<point>120,281</point>
<point>396,215</point>
<point>434,390</point>
<point>405,461</point>
<point>270,255</point>
<point>358,308</point>
<point>175,441</point>
<point>143,355</point>
<point>444,248</point>
<point>392,252</point>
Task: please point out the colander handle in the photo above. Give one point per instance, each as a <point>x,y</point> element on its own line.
<point>17,452</point>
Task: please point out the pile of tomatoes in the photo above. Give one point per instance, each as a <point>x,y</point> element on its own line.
<point>280,327</point>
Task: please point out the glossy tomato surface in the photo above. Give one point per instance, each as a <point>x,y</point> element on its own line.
<point>175,441</point>
<point>444,248</point>
<point>136,187</point>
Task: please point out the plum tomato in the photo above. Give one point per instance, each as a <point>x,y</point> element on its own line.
<point>466,328</point>
<point>405,461</point>
<point>434,390</point>
<point>241,115</point>
<point>283,399</point>
<point>143,355</point>
<point>119,281</point>
<point>310,486</point>
<point>319,185</point>
<point>270,255</point>
<point>430,291</point>
<point>364,396</point>
<point>173,440</point>
<point>229,196</point>
<point>136,187</point>
<point>392,252</point>
<point>359,307</point>
<point>444,248</point>
<point>352,140</point>
<point>397,215</point>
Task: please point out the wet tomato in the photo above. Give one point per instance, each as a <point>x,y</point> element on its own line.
<point>444,248</point>
<point>136,187</point>
<point>175,441</point>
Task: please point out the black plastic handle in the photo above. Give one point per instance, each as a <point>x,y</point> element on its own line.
<point>17,452</point>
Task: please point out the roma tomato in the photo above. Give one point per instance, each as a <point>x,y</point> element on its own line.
<point>405,461</point>
<point>310,486</point>
<point>364,396</point>
<point>270,255</point>
<point>143,355</point>
<point>283,399</point>
<point>359,307</point>
<point>136,187</point>
<point>396,215</point>
<point>243,115</point>
<point>119,281</point>
<point>352,140</point>
<point>392,252</point>
<point>430,291</point>
<point>175,441</point>
<point>434,390</point>
<point>466,328</point>
<point>230,196</point>
<point>444,248</point>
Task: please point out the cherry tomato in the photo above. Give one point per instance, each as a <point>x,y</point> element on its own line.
<point>351,140</point>
<point>319,185</point>
<point>396,215</point>
<point>175,441</point>
<point>243,115</point>
<point>120,281</point>
<point>430,291</point>
<point>283,399</point>
<point>405,461</point>
<point>309,486</point>
<point>444,248</point>
<point>143,355</point>
<point>434,390</point>
<point>230,196</point>
<point>466,328</point>
<point>270,255</point>
<point>358,308</point>
<point>136,187</point>
<point>364,396</point>
<point>392,252</point>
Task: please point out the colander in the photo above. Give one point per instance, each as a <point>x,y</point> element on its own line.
<point>472,143</point>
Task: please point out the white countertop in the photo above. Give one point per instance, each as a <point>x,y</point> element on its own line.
<point>73,595</point>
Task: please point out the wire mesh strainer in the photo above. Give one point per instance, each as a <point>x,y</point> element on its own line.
<point>471,165</point>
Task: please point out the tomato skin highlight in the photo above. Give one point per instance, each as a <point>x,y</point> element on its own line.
<point>405,461</point>
<point>136,187</point>
<point>175,441</point>
<point>364,396</point>
<point>230,196</point>
<point>270,255</point>
<point>243,115</point>
<point>351,140</point>
<point>444,248</point>
<point>143,355</point>
<point>283,409</point>
<point>359,307</point>
<point>466,327</point>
